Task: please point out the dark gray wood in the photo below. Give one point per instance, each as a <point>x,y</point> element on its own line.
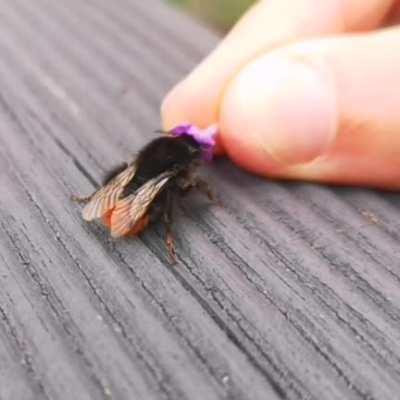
<point>285,291</point>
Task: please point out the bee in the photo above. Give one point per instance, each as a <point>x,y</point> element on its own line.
<point>141,192</point>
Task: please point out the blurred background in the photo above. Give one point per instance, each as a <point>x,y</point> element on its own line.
<point>220,14</point>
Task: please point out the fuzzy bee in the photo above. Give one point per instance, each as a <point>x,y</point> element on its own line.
<point>141,192</point>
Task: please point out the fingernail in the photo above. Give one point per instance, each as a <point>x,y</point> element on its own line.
<point>283,104</point>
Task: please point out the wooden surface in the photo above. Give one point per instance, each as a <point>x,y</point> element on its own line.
<point>287,291</point>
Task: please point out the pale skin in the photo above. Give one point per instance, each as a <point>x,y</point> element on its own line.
<point>304,89</point>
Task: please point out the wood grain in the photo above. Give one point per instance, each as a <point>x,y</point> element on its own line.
<point>286,291</point>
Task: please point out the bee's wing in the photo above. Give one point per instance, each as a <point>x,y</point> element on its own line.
<point>106,197</point>
<point>129,210</point>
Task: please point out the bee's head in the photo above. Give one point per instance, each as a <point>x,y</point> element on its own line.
<point>204,138</point>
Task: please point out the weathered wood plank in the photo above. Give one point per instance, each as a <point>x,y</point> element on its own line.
<point>286,291</point>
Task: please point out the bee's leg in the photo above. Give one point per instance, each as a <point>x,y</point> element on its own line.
<point>81,200</point>
<point>202,186</point>
<point>111,175</point>
<point>167,217</point>
<point>185,185</point>
<point>189,183</point>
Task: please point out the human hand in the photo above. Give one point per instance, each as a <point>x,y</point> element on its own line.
<point>304,89</point>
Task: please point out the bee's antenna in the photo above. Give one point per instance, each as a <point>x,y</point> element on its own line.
<point>162,132</point>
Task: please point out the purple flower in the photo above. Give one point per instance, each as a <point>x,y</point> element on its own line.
<point>204,137</point>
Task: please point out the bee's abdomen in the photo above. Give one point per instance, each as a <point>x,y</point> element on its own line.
<point>139,227</point>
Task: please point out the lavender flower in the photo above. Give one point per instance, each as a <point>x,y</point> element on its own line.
<point>204,137</point>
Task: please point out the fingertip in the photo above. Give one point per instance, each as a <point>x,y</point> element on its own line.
<point>173,108</point>
<point>185,104</point>
<point>278,111</point>
<point>219,149</point>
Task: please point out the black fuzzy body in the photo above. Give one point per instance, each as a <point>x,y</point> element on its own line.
<point>180,154</point>
<point>142,192</point>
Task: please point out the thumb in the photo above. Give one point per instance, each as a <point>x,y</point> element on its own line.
<point>324,110</point>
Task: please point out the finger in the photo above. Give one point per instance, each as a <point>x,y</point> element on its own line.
<point>393,17</point>
<point>267,25</point>
<point>324,110</point>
